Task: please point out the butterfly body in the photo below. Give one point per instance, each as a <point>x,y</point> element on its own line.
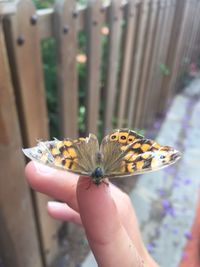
<point>97,175</point>
<point>121,153</point>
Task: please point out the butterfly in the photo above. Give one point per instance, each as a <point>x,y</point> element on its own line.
<point>121,153</point>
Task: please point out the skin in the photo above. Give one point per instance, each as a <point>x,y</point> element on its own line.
<point>105,212</point>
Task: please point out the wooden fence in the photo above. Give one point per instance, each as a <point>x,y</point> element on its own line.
<point>150,43</point>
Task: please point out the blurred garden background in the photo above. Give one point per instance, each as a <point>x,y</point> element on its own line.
<point>69,68</point>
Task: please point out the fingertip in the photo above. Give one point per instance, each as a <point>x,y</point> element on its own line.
<point>52,182</point>
<point>30,173</point>
<point>35,171</point>
<point>86,185</point>
<point>97,208</point>
<point>61,211</point>
<point>28,167</point>
<point>91,197</point>
<point>102,224</point>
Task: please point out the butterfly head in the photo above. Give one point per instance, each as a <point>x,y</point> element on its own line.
<point>97,175</point>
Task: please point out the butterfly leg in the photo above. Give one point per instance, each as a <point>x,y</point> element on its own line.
<point>89,184</point>
<point>105,182</point>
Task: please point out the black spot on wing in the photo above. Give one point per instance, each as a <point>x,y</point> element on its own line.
<point>62,148</point>
<point>147,163</point>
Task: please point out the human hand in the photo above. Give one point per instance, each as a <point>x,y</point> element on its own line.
<point>105,212</point>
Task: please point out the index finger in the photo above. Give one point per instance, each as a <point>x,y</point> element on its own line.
<point>107,237</point>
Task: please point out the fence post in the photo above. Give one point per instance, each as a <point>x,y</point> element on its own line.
<point>110,90</point>
<point>65,32</point>
<point>19,244</point>
<point>173,56</point>
<point>93,33</point>
<point>195,51</point>
<point>190,33</point>
<point>137,61</point>
<point>22,38</point>
<point>128,47</point>
<point>149,108</point>
<point>170,19</point>
<point>161,57</point>
<point>143,86</point>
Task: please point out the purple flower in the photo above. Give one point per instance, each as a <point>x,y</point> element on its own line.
<point>157,125</point>
<point>188,235</point>
<point>187,181</point>
<point>166,204</point>
<point>176,184</point>
<point>167,207</point>
<point>175,231</point>
<point>172,212</point>
<point>161,192</point>
<point>150,247</point>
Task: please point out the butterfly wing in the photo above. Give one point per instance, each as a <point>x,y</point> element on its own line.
<point>72,155</point>
<point>112,148</point>
<point>131,158</point>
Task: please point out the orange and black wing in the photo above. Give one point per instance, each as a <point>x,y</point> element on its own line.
<point>68,154</point>
<point>135,154</point>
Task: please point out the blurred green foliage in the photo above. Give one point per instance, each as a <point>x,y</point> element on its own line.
<point>39,4</point>
<point>81,69</point>
<point>165,70</point>
<point>49,68</point>
<point>103,68</point>
<point>48,59</point>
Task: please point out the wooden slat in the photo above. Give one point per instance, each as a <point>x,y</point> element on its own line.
<point>156,75</point>
<point>144,112</point>
<point>114,24</point>
<point>129,41</point>
<point>93,34</point>
<point>179,10</point>
<point>19,244</point>
<point>166,43</point>
<point>142,97</point>
<point>173,58</point>
<point>195,52</point>
<point>154,66</point>
<point>186,42</point>
<point>193,30</point>
<point>137,62</point>
<point>66,47</point>
<point>190,35</point>
<point>161,59</point>
<point>183,36</point>
<point>24,53</point>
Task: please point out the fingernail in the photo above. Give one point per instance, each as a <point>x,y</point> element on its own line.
<point>53,204</point>
<point>43,169</point>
